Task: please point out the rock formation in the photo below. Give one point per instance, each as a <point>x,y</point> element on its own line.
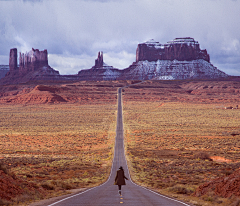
<point>181,49</point>
<point>33,60</point>
<point>32,66</point>
<point>181,58</point>
<point>100,71</point>
<point>13,59</point>
<point>99,60</point>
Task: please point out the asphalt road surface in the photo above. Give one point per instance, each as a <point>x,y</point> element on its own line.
<point>107,193</point>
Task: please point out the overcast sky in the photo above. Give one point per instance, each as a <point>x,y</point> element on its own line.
<point>73,31</point>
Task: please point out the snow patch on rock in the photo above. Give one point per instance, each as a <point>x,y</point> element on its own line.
<point>166,69</point>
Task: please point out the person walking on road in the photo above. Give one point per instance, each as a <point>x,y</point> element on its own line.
<point>120,179</point>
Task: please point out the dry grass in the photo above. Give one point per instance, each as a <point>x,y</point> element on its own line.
<point>58,147</point>
<point>170,146</point>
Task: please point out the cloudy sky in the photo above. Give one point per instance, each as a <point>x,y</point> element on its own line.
<point>73,31</point>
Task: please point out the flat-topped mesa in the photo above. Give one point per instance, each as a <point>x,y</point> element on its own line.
<point>99,60</point>
<point>181,49</point>
<point>32,60</point>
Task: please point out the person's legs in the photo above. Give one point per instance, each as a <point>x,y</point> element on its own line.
<point>119,189</point>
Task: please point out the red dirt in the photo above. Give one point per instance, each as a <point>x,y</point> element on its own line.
<point>11,186</point>
<point>223,187</point>
<point>59,93</point>
<point>184,91</point>
<point>220,159</point>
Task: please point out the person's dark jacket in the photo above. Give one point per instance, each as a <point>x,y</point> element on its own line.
<point>120,178</point>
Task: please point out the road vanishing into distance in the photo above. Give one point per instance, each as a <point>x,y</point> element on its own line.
<point>107,193</point>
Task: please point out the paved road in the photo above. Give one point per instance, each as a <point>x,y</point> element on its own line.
<point>107,194</point>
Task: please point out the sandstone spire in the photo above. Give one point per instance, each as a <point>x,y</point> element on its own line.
<point>13,59</point>
<point>99,60</point>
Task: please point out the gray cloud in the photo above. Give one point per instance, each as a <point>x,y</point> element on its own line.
<point>76,30</point>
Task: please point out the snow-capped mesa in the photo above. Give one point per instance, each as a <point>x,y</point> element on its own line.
<point>180,58</point>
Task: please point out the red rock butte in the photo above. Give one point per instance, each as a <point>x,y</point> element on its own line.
<point>181,49</point>
<point>33,59</point>
<point>33,65</point>
<point>30,61</point>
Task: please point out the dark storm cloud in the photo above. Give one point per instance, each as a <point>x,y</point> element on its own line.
<point>74,31</point>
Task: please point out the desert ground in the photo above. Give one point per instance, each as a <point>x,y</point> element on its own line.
<point>176,141</point>
<point>59,136</point>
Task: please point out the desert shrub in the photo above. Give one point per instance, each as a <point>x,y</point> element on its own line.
<point>4,202</point>
<point>3,168</point>
<point>208,198</point>
<point>36,186</point>
<point>211,197</point>
<point>202,156</point>
<point>48,186</point>
<point>160,185</point>
<point>22,198</point>
<point>12,175</point>
<point>228,172</point>
<point>181,190</point>
<point>29,175</point>
<point>67,186</point>
<point>62,184</point>
<point>236,202</point>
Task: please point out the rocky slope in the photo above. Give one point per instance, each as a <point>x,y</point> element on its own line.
<point>104,72</point>
<point>12,187</point>
<point>223,187</point>
<point>170,70</point>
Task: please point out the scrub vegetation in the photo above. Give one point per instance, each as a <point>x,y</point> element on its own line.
<point>57,147</point>
<point>173,147</point>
